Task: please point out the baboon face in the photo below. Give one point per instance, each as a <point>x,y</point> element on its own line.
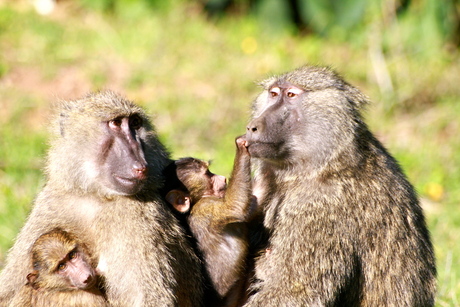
<point>103,144</point>
<point>269,133</point>
<point>60,262</point>
<point>123,164</point>
<point>75,269</point>
<point>302,116</point>
<point>198,179</point>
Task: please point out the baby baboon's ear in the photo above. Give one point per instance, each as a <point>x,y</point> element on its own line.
<point>31,278</point>
<point>180,200</point>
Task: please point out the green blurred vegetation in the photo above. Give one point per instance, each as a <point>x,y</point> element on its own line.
<point>194,65</point>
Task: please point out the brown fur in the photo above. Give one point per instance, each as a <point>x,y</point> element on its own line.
<point>346,227</point>
<point>218,220</point>
<point>46,287</point>
<point>141,249</point>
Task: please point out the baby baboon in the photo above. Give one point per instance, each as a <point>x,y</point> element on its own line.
<point>217,218</point>
<point>104,172</point>
<point>345,225</point>
<point>62,274</point>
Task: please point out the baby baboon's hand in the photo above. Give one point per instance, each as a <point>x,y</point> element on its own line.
<point>242,144</point>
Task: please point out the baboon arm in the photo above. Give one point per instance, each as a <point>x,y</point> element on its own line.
<point>23,298</point>
<point>214,214</point>
<point>238,195</point>
<point>18,261</point>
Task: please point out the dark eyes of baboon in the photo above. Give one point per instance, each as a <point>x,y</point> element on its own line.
<point>135,122</point>
<point>62,267</point>
<point>115,123</point>
<point>290,92</point>
<point>275,91</point>
<point>72,255</point>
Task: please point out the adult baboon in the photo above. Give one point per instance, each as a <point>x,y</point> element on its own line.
<point>345,225</point>
<point>217,217</point>
<point>104,172</point>
<point>62,273</point>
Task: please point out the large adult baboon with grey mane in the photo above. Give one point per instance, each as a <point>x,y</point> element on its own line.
<point>104,171</point>
<point>345,226</point>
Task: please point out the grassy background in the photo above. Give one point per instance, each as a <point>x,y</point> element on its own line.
<point>197,77</point>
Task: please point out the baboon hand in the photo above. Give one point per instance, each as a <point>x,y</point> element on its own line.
<point>242,144</point>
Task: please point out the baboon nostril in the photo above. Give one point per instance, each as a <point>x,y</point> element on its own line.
<point>140,172</point>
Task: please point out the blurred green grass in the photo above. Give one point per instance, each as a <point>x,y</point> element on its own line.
<point>197,77</point>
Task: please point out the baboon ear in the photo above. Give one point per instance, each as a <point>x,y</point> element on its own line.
<point>355,96</point>
<point>179,199</point>
<point>31,278</point>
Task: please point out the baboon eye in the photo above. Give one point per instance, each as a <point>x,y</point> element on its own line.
<point>292,92</point>
<point>275,91</point>
<point>135,122</point>
<point>72,255</point>
<point>62,266</point>
<point>115,123</point>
